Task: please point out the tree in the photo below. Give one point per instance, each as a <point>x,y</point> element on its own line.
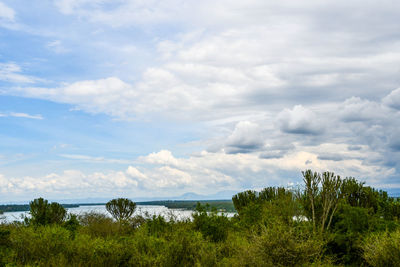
<point>38,211</point>
<point>121,208</point>
<point>312,181</point>
<point>43,213</point>
<point>321,195</point>
<point>330,196</point>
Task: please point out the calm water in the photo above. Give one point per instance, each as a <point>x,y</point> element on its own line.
<point>140,210</point>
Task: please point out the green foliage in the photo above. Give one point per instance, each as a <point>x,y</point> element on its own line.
<point>121,208</point>
<point>98,225</point>
<point>40,245</point>
<point>321,198</point>
<point>5,244</point>
<point>211,224</point>
<point>43,213</point>
<point>188,248</point>
<point>254,208</point>
<point>350,226</point>
<point>331,221</point>
<point>157,225</point>
<point>72,223</point>
<point>382,249</point>
<point>281,245</point>
<point>244,199</point>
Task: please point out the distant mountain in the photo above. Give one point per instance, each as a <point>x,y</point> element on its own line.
<point>222,195</point>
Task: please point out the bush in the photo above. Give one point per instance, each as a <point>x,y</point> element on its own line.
<point>281,245</point>
<point>39,245</point>
<point>98,225</point>
<point>382,249</point>
<point>210,224</point>
<point>157,225</point>
<point>188,248</point>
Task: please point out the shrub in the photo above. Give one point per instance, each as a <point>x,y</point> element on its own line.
<point>382,249</point>
<point>98,225</point>
<point>210,224</point>
<point>188,248</point>
<point>281,245</point>
<point>39,245</point>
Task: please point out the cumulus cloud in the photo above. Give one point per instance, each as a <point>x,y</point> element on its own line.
<point>300,120</point>
<point>357,109</point>
<point>393,99</point>
<point>162,173</point>
<point>246,137</point>
<point>68,183</point>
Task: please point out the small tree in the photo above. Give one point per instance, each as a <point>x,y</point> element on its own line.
<point>44,213</point>
<point>121,208</point>
<point>38,211</point>
<point>57,213</point>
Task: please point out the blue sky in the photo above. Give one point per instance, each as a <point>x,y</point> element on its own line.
<point>102,98</point>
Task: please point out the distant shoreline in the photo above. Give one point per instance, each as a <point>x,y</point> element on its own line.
<point>223,205</point>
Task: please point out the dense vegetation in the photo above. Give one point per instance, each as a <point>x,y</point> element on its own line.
<point>330,221</point>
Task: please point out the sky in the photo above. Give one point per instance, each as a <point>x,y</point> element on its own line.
<point>133,98</point>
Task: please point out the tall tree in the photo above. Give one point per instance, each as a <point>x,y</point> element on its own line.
<point>311,181</point>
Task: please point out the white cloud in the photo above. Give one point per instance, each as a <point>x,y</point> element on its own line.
<point>6,13</point>
<point>90,158</point>
<point>357,109</point>
<point>393,99</point>
<point>69,183</point>
<point>247,57</point>
<point>11,72</point>
<point>205,173</point>
<point>57,47</point>
<point>22,115</point>
<point>246,137</point>
<point>300,120</point>
<point>111,95</point>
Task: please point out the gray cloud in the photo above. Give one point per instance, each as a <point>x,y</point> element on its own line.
<point>393,99</point>
<point>354,148</point>
<point>333,157</point>
<point>299,120</point>
<point>245,138</point>
<point>272,154</point>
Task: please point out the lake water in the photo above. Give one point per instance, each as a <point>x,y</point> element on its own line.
<point>143,210</point>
